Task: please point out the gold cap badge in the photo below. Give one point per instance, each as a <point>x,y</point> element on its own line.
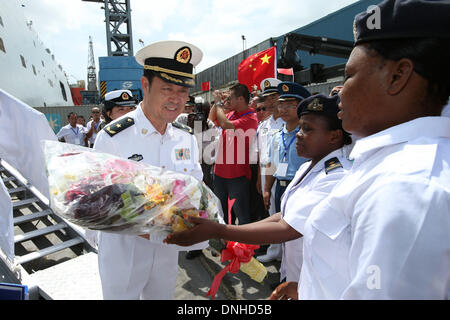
<point>315,105</point>
<point>183,55</point>
<point>285,88</point>
<point>125,96</point>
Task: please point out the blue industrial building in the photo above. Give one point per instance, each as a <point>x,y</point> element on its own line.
<point>337,25</point>
<point>120,72</point>
<point>123,72</point>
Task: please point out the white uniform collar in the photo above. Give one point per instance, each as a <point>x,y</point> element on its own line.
<point>339,153</point>
<point>145,127</point>
<point>431,127</point>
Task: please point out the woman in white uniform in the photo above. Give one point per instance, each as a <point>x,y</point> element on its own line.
<point>383,232</point>
<point>321,139</point>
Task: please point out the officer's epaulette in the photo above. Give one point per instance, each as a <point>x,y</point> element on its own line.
<point>114,128</point>
<point>332,164</point>
<point>182,127</point>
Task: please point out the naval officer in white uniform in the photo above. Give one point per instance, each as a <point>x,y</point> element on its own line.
<point>142,267</point>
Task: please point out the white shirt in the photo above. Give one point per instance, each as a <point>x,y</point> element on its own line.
<point>383,232</point>
<point>94,133</point>
<point>264,134</point>
<point>72,135</point>
<point>298,201</point>
<point>446,110</point>
<point>175,150</point>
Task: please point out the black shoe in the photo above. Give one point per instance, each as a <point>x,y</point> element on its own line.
<point>193,254</point>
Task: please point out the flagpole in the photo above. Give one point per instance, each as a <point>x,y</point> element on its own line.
<point>275,63</point>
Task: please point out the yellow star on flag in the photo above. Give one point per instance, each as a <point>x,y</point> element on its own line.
<point>265,59</point>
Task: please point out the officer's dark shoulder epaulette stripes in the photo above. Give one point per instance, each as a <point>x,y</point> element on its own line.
<point>114,128</point>
<point>332,164</point>
<point>182,127</point>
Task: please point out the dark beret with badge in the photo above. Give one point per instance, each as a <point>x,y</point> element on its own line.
<point>172,61</point>
<point>402,19</point>
<point>122,98</point>
<point>319,104</point>
<point>292,91</point>
<point>269,86</point>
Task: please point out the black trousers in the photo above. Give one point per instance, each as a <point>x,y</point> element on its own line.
<point>279,190</point>
<point>236,188</point>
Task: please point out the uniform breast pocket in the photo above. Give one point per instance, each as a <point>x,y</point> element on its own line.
<point>329,235</point>
<point>188,168</point>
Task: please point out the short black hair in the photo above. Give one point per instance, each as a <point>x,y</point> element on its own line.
<point>150,75</point>
<point>430,59</point>
<point>241,90</point>
<point>71,113</point>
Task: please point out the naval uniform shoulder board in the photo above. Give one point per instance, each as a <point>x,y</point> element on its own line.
<point>116,127</point>
<point>332,164</point>
<point>182,127</point>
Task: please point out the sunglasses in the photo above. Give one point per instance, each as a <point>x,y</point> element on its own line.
<point>261,109</point>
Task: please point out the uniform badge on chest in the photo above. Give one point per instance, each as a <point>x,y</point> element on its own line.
<point>136,157</point>
<point>183,154</point>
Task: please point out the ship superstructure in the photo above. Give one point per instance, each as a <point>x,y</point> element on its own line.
<point>29,70</point>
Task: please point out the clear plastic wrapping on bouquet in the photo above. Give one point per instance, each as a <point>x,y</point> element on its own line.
<point>100,191</point>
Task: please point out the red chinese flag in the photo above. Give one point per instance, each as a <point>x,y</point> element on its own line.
<point>257,67</point>
<point>206,86</point>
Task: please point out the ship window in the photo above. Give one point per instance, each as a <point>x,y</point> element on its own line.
<point>2,46</point>
<point>1,21</point>
<point>43,63</point>
<point>50,83</point>
<point>34,69</point>
<point>63,91</point>
<point>23,61</point>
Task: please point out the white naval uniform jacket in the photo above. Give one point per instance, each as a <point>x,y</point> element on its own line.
<point>300,198</point>
<point>127,262</point>
<point>384,230</point>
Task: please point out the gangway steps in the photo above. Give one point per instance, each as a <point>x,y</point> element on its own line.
<point>32,216</point>
<point>44,252</point>
<point>16,190</point>
<point>39,232</point>
<point>9,179</point>
<point>24,203</point>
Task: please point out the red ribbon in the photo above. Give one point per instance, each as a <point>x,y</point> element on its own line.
<point>236,252</point>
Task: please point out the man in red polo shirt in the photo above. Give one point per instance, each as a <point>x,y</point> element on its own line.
<point>232,172</point>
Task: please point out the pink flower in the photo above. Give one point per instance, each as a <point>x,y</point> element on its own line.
<point>178,191</point>
<point>203,214</point>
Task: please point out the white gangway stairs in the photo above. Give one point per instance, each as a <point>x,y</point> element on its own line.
<point>51,255</point>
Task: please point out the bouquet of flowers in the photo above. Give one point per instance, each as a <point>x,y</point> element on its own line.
<point>100,191</point>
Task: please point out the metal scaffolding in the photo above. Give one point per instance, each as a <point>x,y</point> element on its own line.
<point>118,27</point>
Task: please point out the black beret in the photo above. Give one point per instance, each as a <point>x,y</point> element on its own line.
<point>319,104</point>
<point>397,19</point>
